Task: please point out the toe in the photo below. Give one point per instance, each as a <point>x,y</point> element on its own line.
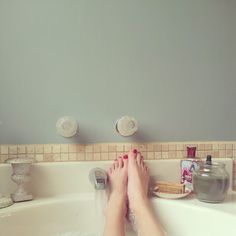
<point>125,161</point>
<point>120,162</point>
<point>132,156</point>
<point>139,158</point>
<point>116,163</point>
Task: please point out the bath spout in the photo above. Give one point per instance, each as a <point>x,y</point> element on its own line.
<point>98,177</point>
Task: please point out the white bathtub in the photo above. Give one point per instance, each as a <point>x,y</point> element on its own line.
<point>64,204</point>
<point>75,215</point>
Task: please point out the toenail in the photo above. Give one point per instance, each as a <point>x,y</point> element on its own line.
<point>135,151</point>
<point>125,156</point>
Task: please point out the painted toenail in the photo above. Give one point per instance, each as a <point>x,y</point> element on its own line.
<point>135,151</point>
<point>125,156</point>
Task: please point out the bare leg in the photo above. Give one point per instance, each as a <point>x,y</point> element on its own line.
<point>138,179</point>
<point>116,207</point>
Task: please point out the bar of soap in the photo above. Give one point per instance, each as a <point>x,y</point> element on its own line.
<point>168,187</point>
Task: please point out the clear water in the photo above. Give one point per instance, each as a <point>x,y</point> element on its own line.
<point>100,202</point>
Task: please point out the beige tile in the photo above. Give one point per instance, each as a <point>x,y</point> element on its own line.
<point>201,147</point>
<point>88,156</point>
<point>48,157</point>
<point>39,157</point>
<point>222,146</point>
<point>157,155</point>
<point>104,156</point>
<point>112,155</point>
<point>127,147</point>
<point>64,148</point>
<point>215,146</point>
<point>21,149</point>
<point>80,148</point>
<point>216,154</point>
<point>30,149</point>
<point>56,148</point>
<point>120,147</point>
<point>89,148</point>
<point>150,156</point>
<point>179,154</point>
<point>165,147</point>
<point>222,153</point>
<point>179,147</point>
<point>30,155</point>
<point>157,147</point>
<point>135,146</point>
<point>4,149</point>
<point>172,154</point>
<point>144,154</point>
<point>3,158</point>
<point>104,147</point>
<point>201,154</point>
<point>12,149</point>
<point>47,148</point>
<point>22,155</point>
<point>119,154</point>
<point>229,153</point>
<point>11,156</point>
<point>72,156</point>
<point>56,157</point>
<point>208,146</point>
<point>112,148</point>
<point>165,155</point>
<point>234,145</point>
<point>172,147</point>
<point>150,147</point>
<point>234,153</point>
<point>72,148</point>
<point>39,148</point>
<point>142,147</point>
<point>64,156</point>
<point>97,148</point>
<point>229,146</point>
<point>81,156</point>
<point>97,156</point>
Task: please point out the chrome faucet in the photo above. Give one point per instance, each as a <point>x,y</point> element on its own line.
<point>98,177</point>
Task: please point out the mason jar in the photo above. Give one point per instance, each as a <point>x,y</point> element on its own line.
<point>211,182</point>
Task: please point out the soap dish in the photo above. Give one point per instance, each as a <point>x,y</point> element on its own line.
<point>172,195</point>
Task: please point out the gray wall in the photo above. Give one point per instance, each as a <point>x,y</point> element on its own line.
<point>170,64</point>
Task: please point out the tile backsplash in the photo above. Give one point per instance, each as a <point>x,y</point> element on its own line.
<point>110,151</point>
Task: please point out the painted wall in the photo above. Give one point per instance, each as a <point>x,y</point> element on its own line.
<point>167,63</point>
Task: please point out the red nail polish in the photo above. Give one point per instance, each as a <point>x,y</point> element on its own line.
<point>135,151</point>
<point>125,156</point>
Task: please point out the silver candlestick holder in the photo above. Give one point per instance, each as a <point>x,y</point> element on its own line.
<point>21,175</point>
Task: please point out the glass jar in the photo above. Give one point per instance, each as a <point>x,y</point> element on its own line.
<point>211,182</point>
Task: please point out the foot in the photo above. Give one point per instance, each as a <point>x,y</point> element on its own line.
<point>118,178</point>
<point>138,181</point>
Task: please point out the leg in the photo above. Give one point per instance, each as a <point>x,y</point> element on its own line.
<point>138,179</point>
<point>116,207</point>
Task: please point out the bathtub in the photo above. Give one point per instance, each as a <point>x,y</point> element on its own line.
<point>66,204</point>
<point>76,215</point>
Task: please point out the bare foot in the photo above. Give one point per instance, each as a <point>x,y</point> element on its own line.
<point>116,206</point>
<point>118,178</point>
<point>138,180</point>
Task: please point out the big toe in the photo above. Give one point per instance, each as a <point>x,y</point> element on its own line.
<point>132,157</point>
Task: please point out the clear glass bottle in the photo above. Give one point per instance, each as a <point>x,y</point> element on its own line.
<point>211,182</point>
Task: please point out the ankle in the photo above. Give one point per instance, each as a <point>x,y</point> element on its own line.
<point>138,204</point>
